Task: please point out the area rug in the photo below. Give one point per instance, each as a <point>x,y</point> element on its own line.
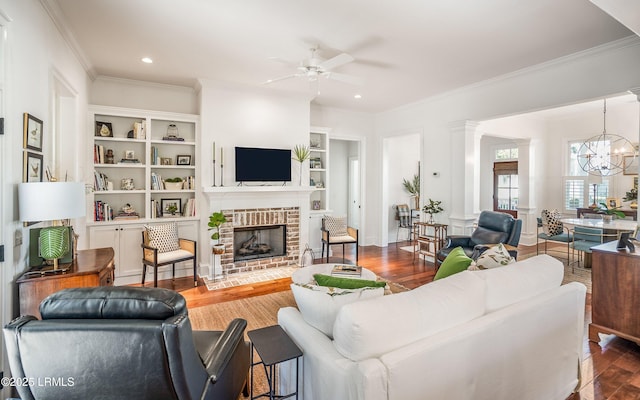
<point>422,256</point>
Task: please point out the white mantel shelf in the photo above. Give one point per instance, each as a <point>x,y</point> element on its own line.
<point>221,190</point>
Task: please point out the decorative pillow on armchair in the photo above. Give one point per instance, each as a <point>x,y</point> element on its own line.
<point>496,256</point>
<point>337,226</point>
<point>164,237</point>
<point>551,224</point>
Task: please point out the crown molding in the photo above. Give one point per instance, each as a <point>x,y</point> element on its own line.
<point>59,20</point>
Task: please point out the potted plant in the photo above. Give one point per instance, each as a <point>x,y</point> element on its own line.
<point>301,154</point>
<point>215,220</point>
<point>413,187</point>
<point>432,208</point>
<point>173,183</point>
<point>632,196</point>
<point>610,212</point>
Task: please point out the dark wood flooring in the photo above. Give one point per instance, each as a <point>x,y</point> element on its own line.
<point>610,369</point>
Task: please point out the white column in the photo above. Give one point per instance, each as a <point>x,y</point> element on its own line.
<point>465,172</point>
<point>526,199</point>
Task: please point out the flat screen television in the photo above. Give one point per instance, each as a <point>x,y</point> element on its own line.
<point>263,165</point>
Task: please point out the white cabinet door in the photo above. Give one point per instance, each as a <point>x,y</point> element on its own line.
<point>315,235</point>
<point>125,241</point>
<point>130,242</point>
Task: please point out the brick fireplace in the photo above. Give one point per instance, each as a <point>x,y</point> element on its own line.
<point>254,206</point>
<point>260,218</point>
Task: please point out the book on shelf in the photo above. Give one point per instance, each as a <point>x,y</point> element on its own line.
<point>346,270</point>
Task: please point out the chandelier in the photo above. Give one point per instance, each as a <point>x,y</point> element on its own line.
<point>604,154</point>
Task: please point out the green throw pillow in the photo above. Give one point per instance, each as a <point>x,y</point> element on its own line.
<point>456,261</point>
<point>345,283</point>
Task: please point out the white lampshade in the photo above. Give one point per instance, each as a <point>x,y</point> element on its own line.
<point>48,201</point>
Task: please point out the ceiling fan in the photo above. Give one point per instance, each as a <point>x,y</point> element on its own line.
<point>315,67</point>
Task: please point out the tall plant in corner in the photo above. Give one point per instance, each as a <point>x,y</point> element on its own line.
<point>215,220</point>
<point>301,153</point>
<point>413,187</point>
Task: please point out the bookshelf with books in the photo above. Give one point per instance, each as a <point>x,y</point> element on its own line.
<point>135,152</point>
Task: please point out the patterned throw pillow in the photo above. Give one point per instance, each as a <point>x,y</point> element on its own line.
<point>496,256</point>
<point>337,226</point>
<point>551,224</point>
<point>164,237</point>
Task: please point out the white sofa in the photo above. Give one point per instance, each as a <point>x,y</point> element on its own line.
<point>506,333</point>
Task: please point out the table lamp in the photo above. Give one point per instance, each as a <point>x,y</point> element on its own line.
<point>52,201</point>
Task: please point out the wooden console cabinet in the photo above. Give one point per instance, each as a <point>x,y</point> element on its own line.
<point>92,267</point>
<point>615,298</point>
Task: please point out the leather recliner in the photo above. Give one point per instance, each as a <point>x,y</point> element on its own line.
<point>493,227</point>
<point>124,343</point>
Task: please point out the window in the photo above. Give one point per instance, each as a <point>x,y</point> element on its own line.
<point>504,154</point>
<point>578,191</point>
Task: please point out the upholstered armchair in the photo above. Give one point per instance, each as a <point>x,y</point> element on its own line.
<point>124,343</point>
<point>335,231</point>
<point>493,227</point>
<point>161,246</point>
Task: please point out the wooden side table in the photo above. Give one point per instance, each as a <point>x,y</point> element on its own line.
<point>429,238</point>
<point>94,267</point>
<point>615,297</point>
<point>274,346</point>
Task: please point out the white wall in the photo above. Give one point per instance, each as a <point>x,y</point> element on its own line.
<point>339,178</point>
<point>35,53</point>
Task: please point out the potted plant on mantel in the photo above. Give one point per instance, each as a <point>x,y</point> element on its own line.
<point>301,153</point>
<point>413,187</point>
<point>215,220</point>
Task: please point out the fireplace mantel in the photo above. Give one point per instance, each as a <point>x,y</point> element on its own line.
<point>222,190</point>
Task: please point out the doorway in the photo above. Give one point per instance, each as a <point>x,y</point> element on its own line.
<point>345,179</point>
<point>505,187</point>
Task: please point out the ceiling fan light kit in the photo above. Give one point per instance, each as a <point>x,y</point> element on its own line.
<point>314,68</point>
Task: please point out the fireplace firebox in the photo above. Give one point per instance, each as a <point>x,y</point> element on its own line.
<point>256,242</point>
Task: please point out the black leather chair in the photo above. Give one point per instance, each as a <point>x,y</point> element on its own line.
<point>493,227</point>
<point>124,343</point>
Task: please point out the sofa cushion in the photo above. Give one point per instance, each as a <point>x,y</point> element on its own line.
<point>495,256</point>
<point>520,280</point>
<point>371,328</point>
<point>319,305</point>
<point>456,261</point>
<point>346,283</point>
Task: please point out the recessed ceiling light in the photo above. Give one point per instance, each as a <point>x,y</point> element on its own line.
<point>357,96</point>
<point>147,60</point>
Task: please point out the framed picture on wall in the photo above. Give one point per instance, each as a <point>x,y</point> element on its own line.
<point>32,132</point>
<point>630,165</point>
<point>32,167</point>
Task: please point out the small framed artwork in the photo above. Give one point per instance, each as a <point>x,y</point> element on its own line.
<point>613,202</point>
<point>129,155</point>
<point>166,161</point>
<point>104,129</point>
<point>32,167</point>
<point>631,165</point>
<point>316,204</point>
<point>183,159</point>
<point>32,132</point>
<point>171,207</point>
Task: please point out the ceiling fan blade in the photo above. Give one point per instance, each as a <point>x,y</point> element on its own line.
<point>336,61</point>
<point>280,78</point>
<point>354,80</point>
